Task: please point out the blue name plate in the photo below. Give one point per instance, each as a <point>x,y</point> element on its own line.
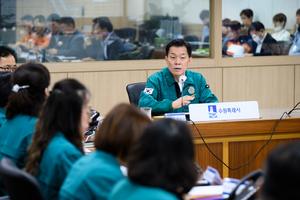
<point>176,116</point>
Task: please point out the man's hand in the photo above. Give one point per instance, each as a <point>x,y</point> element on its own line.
<point>186,101</point>
<point>248,54</point>
<point>88,59</point>
<point>53,51</point>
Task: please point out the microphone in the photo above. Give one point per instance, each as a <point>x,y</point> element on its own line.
<point>182,80</point>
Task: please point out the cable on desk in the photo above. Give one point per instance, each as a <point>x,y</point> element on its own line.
<point>294,108</point>
<point>256,153</point>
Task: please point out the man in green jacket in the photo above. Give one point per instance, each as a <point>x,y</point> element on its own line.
<point>163,93</point>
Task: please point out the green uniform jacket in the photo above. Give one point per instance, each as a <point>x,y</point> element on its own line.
<point>56,162</point>
<point>91,177</point>
<point>15,138</point>
<point>2,116</point>
<point>160,91</point>
<point>127,190</point>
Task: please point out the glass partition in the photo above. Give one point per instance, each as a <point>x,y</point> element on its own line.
<point>260,28</point>
<point>101,30</point>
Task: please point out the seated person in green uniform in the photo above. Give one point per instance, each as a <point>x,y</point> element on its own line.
<point>162,92</point>
<point>30,87</point>
<point>282,173</point>
<point>160,165</point>
<point>93,176</point>
<point>57,141</point>
<point>5,90</point>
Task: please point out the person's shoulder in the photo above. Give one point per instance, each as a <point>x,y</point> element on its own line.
<point>159,74</point>
<point>194,74</point>
<point>270,39</point>
<point>62,146</point>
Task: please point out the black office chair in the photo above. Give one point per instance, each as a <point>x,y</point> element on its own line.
<point>192,38</point>
<point>147,51</point>
<point>134,90</point>
<point>18,183</point>
<point>284,47</point>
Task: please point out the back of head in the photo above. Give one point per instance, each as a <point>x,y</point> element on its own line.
<point>40,19</point>
<point>280,18</point>
<point>247,12</point>
<point>53,17</point>
<point>104,22</point>
<point>7,51</point>
<point>123,125</point>
<point>282,173</point>
<point>163,157</point>
<point>5,88</point>
<point>35,78</point>
<point>226,22</point>
<point>204,14</point>
<point>179,43</point>
<point>235,26</point>
<point>61,113</point>
<point>257,26</point>
<point>298,12</point>
<point>67,20</point>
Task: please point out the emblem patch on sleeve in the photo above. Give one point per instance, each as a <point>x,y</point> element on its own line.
<point>148,90</point>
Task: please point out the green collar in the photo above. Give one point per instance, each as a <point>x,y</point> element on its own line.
<point>170,79</point>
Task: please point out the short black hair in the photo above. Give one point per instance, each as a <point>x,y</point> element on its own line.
<point>7,51</point>
<point>282,165</point>
<point>5,88</point>
<point>27,18</point>
<point>179,43</point>
<point>53,18</point>
<point>204,14</point>
<point>298,12</point>
<point>235,26</point>
<point>257,26</point>
<point>247,12</point>
<point>67,20</point>
<point>104,22</point>
<point>280,17</point>
<point>40,18</point>
<point>226,22</point>
<point>164,157</point>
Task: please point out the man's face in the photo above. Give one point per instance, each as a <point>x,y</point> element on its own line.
<point>260,33</point>
<point>298,19</point>
<point>8,63</point>
<point>178,61</point>
<point>100,33</point>
<point>40,27</point>
<point>246,21</point>
<point>53,26</point>
<point>27,24</point>
<point>67,29</point>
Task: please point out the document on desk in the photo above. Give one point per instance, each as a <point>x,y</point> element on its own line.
<point>214,190</point>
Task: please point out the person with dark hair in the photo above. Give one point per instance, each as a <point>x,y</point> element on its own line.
<point>5,90</point>
<point>295,38</point>
<point>263,44</point>
<point>164,93</point>
<point>57,141</point>
<point>8,59</point>
<point>247,18</point>
<point>42,35</point>
<point>282,173</point>
<point>204,16</point>
<point>225,34</point>
<point>296,25</point>
<point>93,176</point>
<point>160,165</point>
<point>108,44</point>
<point>53,24</point>
<point>71,44</point>
<point>30,84</point>
<point>235,39</point>
<point>27,22</point>
<point>281,34</point>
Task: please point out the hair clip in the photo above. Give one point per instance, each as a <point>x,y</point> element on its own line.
<point>16,87</point>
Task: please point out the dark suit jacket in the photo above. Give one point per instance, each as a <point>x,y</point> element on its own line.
<point>269,47</point>
<point>72,46</point>
<point>54,39</point>
<point>115,46</point>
